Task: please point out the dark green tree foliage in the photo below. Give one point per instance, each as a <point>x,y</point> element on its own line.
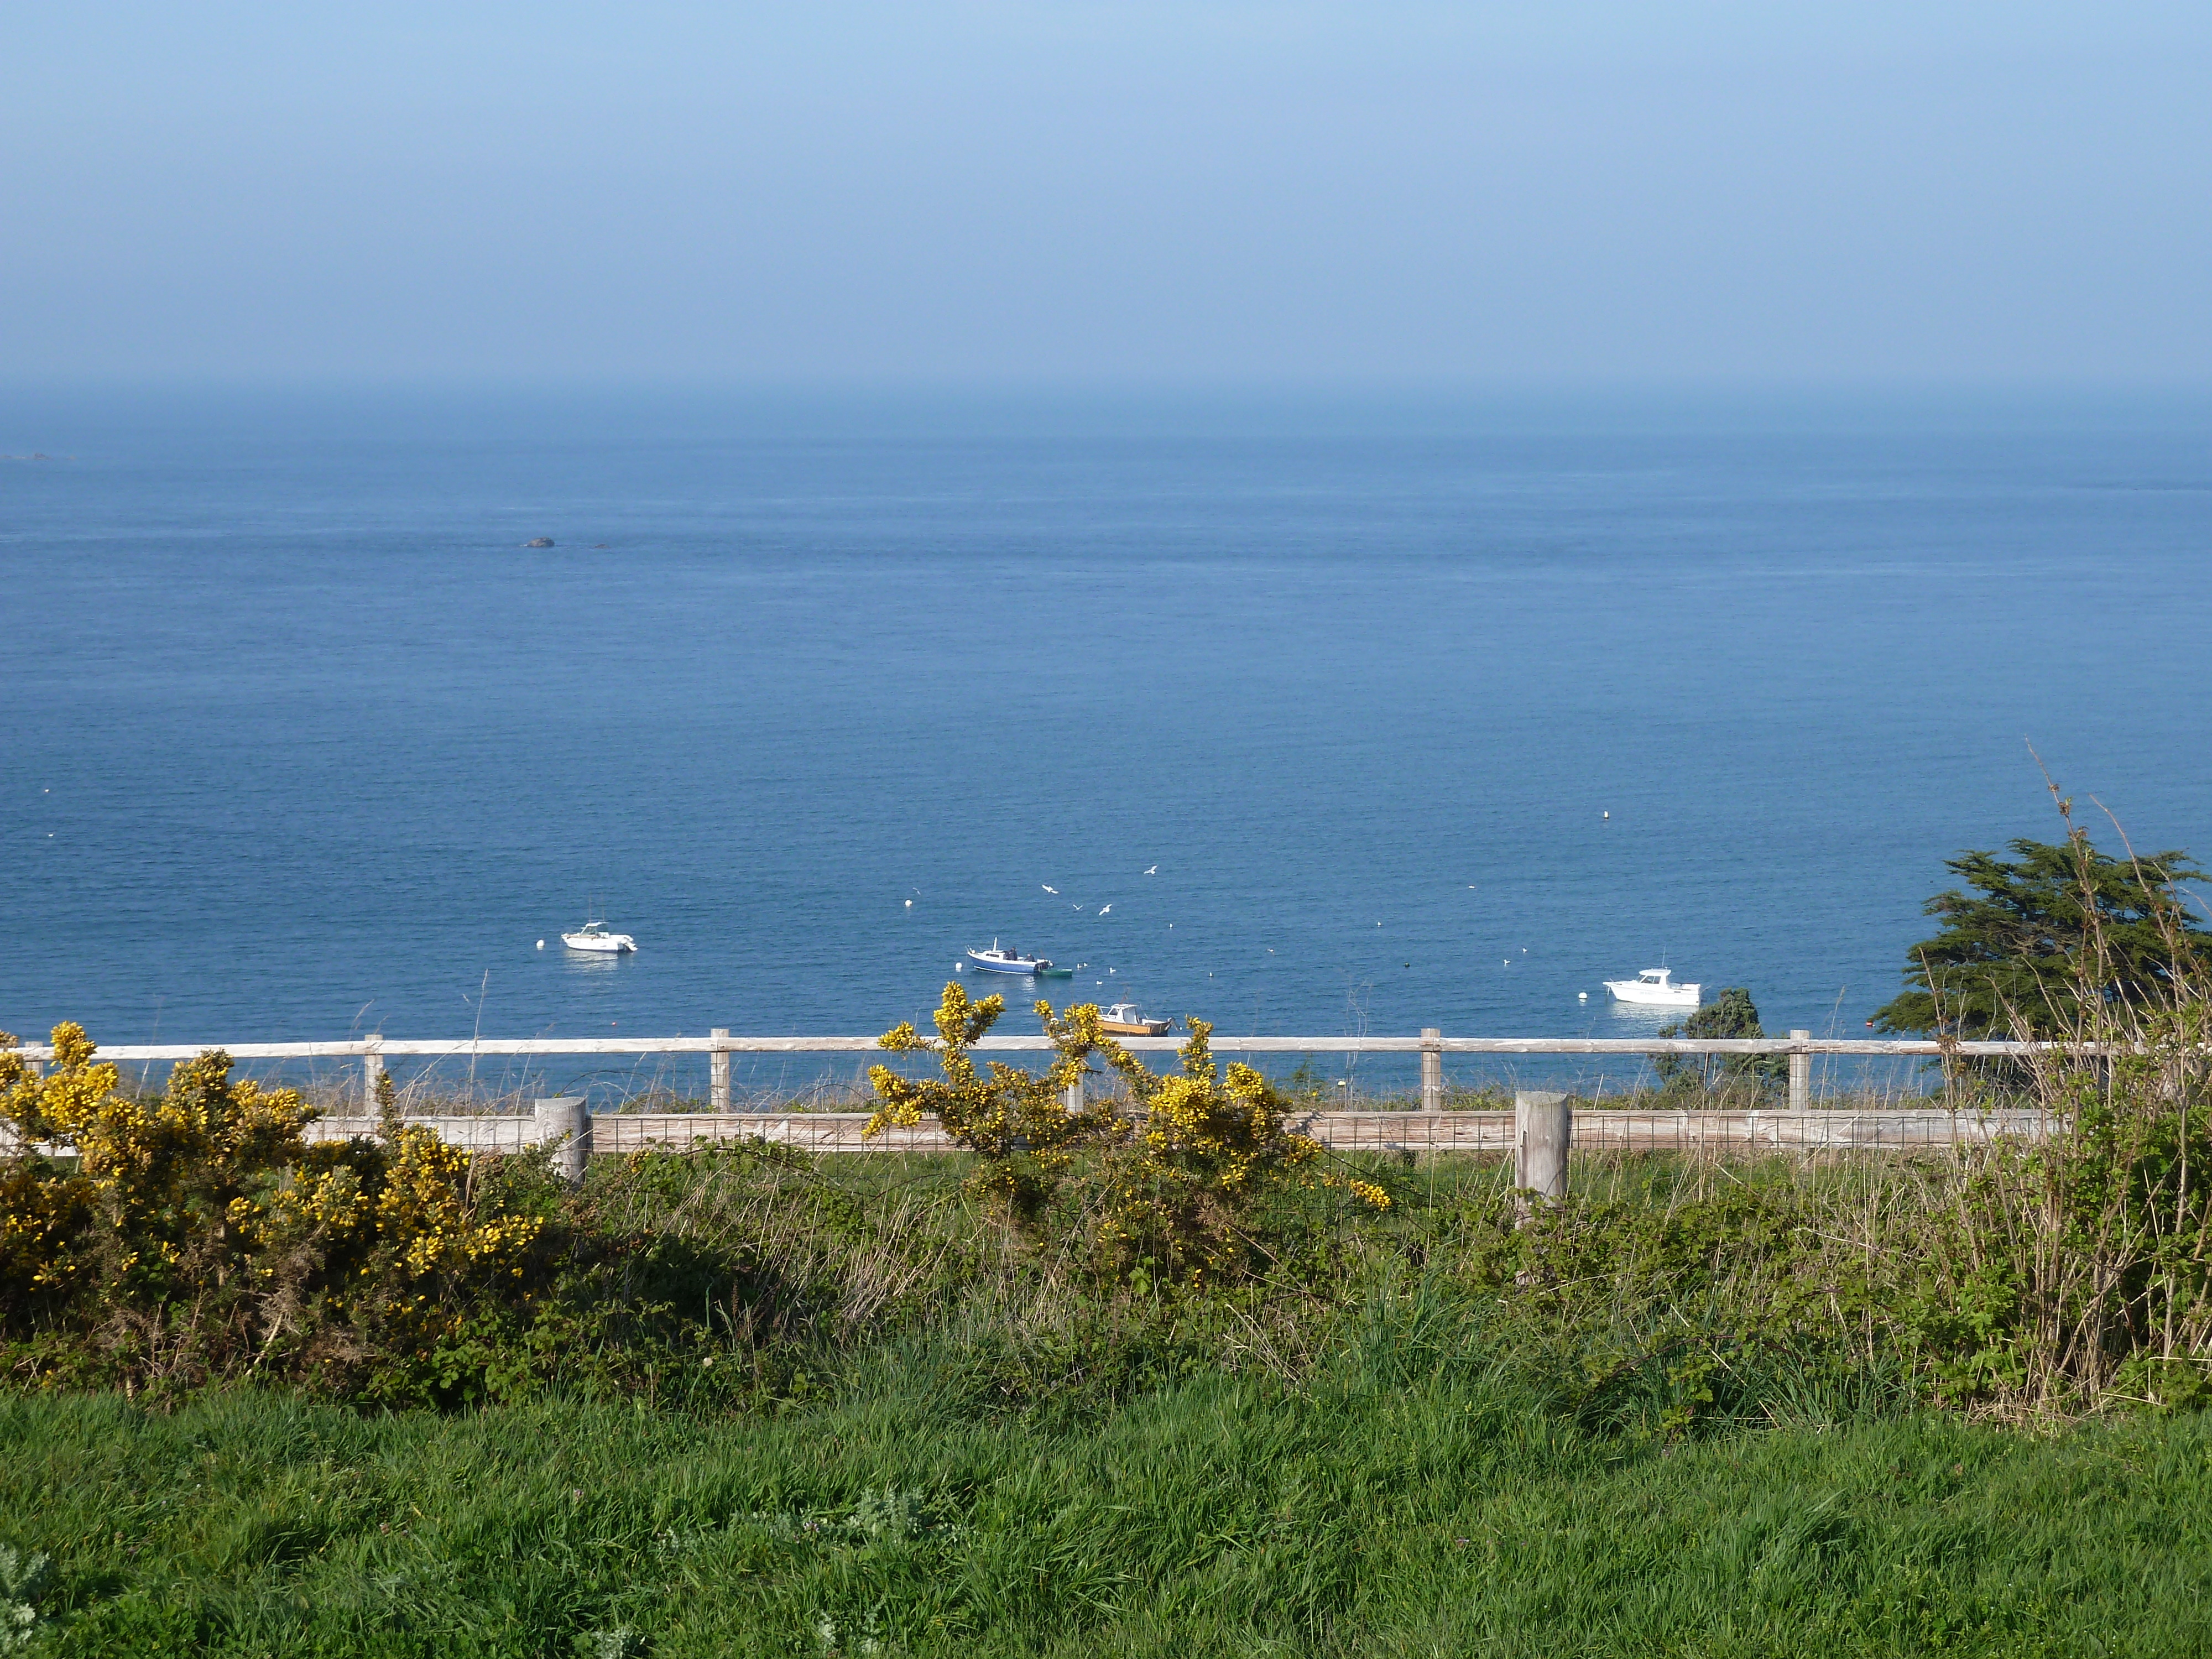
<point>2019,947</point>
<point>1732,1014</point>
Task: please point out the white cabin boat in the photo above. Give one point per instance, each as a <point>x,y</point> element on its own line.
<point>593,936</point>
<point>997,960</point>
<point>1654,989</point>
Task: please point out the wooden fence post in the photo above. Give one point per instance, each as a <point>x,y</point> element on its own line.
<point>1543,1129</point>
<point>718,1072</point>
<point>371,1068</point>
<point>1801,1074</point>
<point>565,1123</point>
<point>1433,1070</point>
<point>1074,1097</point>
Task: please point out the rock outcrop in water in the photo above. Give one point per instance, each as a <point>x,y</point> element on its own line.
<point>540,541</point>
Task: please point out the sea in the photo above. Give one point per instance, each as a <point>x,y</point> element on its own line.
<point>1307,713</point>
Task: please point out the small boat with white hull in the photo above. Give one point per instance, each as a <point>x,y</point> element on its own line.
<point>1654,989</point>
<point>593,936</point>
<point>997,960</point>
<point>1122,1019</point>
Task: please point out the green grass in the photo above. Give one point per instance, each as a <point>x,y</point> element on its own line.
<point>1222,1516</point>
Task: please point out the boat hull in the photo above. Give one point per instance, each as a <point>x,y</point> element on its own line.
<point>1026,969</point>
<point>617,945</point>
<point>1652,996</point>
<point>1134,1027</point>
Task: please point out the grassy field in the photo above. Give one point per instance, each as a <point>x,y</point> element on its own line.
<point>888,1427</point>
<point>1445,1514</point>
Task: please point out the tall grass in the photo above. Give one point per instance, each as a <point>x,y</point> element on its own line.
<point>2083,1255</point>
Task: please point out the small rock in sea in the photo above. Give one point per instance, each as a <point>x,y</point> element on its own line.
<point>539,541</point>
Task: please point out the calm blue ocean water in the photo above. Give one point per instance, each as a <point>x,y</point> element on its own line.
<point>296,740</point>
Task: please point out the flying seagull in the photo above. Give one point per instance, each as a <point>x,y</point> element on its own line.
<point>1054,891</point>
<point>1154,871</point>
<point>1104,908</point>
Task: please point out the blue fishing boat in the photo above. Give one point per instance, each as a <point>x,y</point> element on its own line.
<point>997,960</point>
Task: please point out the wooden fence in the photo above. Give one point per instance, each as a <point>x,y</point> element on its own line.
<point>1431,1129</point>
<point>1432,1045</point>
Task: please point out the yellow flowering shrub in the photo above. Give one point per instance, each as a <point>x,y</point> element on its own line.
<point>1019,1122</point>
<point>1210,1145</point>
<point>40,1214</point>
<point>199,1231</point>
<point>1174,1181</point>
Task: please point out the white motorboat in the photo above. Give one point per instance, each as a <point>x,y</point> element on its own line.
<point>999,961</point>
<point>1654,989</point>
<point>593,936</point>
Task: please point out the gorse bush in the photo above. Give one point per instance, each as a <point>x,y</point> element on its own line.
<point>1017,1122</point>
<point>196,1233</point>
<point>1172,1188</point>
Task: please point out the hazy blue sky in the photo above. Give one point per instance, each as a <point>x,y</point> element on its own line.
<point>1126,191</point>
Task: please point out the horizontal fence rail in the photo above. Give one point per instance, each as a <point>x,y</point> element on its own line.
<point>1594,1130</point>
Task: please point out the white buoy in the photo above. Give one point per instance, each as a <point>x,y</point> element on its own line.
<point>1605,815</point>
<point>1581,996</point>
<point>541,943</point>
<point>909,904</point>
